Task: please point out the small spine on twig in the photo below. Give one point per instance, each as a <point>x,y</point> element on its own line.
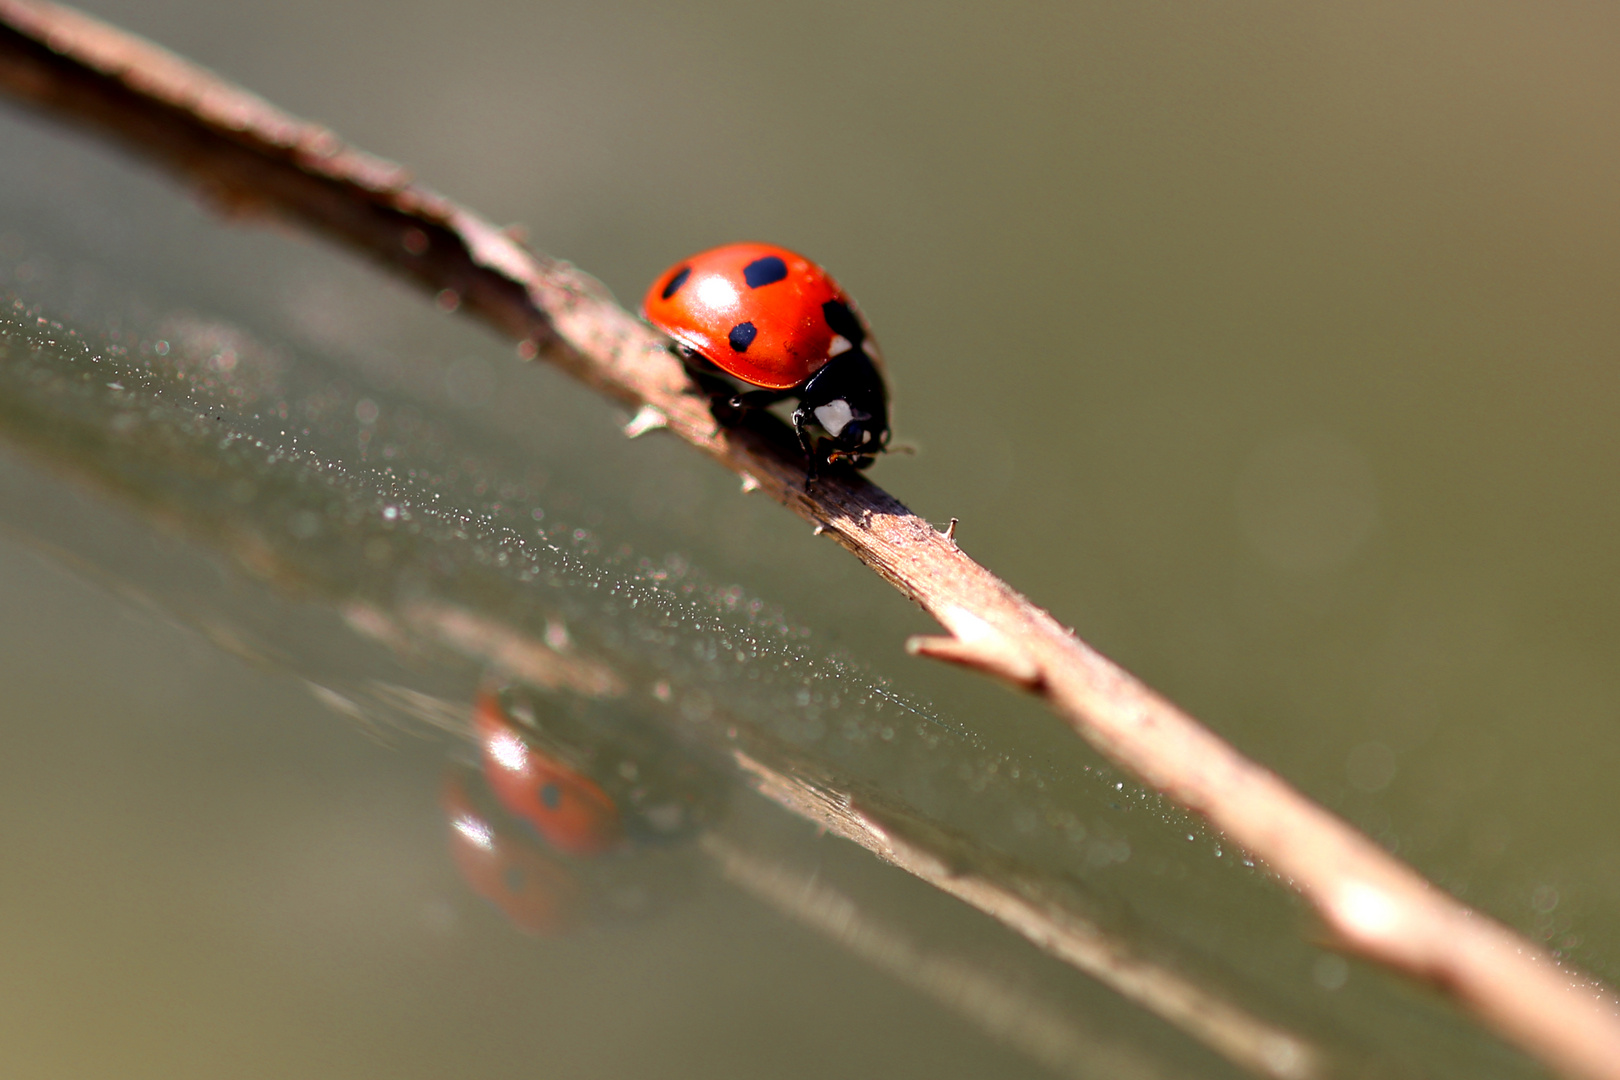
<point>651,418</point>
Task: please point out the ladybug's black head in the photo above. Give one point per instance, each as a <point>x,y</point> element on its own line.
<point>843,413</point>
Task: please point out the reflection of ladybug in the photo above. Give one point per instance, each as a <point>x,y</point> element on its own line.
<point>536,893</point>
<point>775,320</point>
<point>577,820</point>
<point>568,809</point>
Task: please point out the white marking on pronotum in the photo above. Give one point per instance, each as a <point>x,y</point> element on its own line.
<point>840,345</point>
<point>835,416</point>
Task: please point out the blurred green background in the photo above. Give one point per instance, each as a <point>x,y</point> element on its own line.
<point>1271,346</point>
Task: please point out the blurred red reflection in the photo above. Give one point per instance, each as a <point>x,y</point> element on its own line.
<point>568,809</point>
<point>537,893</point>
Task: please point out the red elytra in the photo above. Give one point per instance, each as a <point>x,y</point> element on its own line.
<point>538,894</point>
<point>707,302</point>
<point>568,809</point>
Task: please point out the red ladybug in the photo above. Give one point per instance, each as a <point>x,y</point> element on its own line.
<point>538,894</point>
<point>567,808</point>
<point>776,321</point>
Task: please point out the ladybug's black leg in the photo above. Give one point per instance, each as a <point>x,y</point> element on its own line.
<point>758,399</point>
<point>724,397</point>
<point>810,470</point>
<point>717,387</point>
<point>720,390</point>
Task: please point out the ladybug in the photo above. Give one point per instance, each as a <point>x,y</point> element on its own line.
<point>566,807</point>
<point>537,893</point>
<point>773,320</point>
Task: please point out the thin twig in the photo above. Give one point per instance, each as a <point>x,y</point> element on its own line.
<point>251,158</point>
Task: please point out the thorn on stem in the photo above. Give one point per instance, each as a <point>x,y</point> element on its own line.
<point>950,531</point>
<point>557,637</point>
<point>976,644</point>
<point>649,418</point>
<point>750,483</point>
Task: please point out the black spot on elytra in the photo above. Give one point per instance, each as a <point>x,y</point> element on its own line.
<point>676,282</point>
<point>550,795</point>
<point>843,321</point>
<point>764,271</point>
<point>742,336</point>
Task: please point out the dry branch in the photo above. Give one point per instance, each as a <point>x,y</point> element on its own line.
<point>250,157</point>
